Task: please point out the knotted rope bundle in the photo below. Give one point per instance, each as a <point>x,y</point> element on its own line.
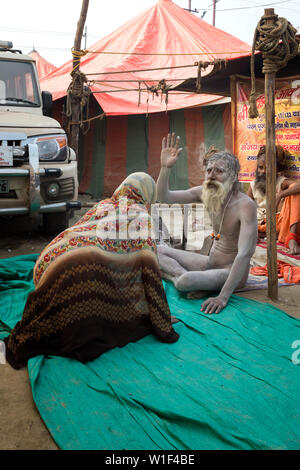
<point>154,89</point>
<point>78,89</point>
<point>277,41</point>
<point>202,65</point>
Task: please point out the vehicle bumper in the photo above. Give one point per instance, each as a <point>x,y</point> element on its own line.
<point>28,186</point>
<point>47,208</point>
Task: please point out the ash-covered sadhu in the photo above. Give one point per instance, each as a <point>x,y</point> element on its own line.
<point>233,217</point>
<point>98,283</point>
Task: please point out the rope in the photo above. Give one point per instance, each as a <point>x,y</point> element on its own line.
<point>278,44</point>
<point>113,72</point>
<point>202,66</point>
<point>136,80</point>
<point>78,90</point>
<point>99,116</point>
<point>195,64</point>
<point>117,90</point>
<point>154,89</point>
<point>78,54</point>
<point>81,53</point>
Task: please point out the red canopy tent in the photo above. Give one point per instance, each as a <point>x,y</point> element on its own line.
<point>169,40</point>
<point>165,38</point>
<point>43,66</point>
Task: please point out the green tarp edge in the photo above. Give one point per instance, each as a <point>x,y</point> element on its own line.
<point>228,383</point>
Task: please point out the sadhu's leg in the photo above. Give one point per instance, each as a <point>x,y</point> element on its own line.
<point>208,280</point>
<point>188,260</point>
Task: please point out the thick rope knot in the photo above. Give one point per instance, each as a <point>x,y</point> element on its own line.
<point>202,65</point>
<point>164,88</point>
<point>78,90</point>
<point>253,112</point>
<point>277,42</point>
<point>154,89</point>
<point>76,86</point>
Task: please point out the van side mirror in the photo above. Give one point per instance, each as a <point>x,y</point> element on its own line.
<point>47,103</point>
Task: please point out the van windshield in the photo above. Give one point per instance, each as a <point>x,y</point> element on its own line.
<point>18,85</point>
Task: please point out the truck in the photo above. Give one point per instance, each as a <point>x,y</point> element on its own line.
<point>38,170</point>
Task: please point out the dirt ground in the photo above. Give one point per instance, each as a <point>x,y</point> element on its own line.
<point>21,427</point>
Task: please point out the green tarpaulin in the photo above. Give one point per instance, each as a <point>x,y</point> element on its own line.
<point>228,383</point>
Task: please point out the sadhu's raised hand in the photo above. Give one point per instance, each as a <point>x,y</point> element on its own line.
<point>170,150</point>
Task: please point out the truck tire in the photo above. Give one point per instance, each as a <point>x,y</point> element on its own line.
<point>54,223</point>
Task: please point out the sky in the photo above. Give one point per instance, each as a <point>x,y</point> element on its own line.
<point>50,26</point>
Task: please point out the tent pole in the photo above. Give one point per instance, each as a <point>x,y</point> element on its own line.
<point>74,134</point>
<point>271,176</point>
<point>214,12</point>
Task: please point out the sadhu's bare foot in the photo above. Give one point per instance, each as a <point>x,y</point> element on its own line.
<point>174,320</point>
<point>294,248</point>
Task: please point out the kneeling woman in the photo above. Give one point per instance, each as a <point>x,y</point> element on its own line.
<point>97,284</point>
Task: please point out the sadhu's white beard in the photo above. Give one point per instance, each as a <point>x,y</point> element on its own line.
<point>214,194</point>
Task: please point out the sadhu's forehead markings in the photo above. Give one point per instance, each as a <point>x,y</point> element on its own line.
<point>216,164</point>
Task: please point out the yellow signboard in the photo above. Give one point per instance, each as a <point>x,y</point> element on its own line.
<point>250,135</point>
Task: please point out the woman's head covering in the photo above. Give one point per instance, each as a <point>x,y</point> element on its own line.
<point>141,184</point>
<point>120,224</point>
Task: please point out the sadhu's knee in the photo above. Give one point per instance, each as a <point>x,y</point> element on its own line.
<point>181,283</point>
<point>161,250</point>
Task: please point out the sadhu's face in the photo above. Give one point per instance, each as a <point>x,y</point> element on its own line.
<point>216,171</point>
<point>261,167</point>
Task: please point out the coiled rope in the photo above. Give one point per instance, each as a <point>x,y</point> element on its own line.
<point>278,44</point>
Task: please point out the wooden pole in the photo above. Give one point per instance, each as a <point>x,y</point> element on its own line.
<point>271,179</point>
<point>233,81</point>
<point>74,134</point>
<point>85,37</point>
<point>214,12</point>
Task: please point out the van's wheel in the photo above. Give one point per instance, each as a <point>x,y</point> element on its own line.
<point>54,223</point>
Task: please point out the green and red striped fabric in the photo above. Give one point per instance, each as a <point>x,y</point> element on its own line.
<point>116,146</point>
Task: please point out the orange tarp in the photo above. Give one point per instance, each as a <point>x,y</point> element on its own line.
<point>43,66</point>
<point>165,35</point>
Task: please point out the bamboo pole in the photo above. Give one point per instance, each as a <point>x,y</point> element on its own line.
<point>74,133</point>
<point>233,81</point>
<point>271,176</point>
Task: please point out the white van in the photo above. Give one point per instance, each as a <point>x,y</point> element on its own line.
<point>38,171</point>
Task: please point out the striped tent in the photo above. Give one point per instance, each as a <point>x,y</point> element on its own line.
<point>119,145</point>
